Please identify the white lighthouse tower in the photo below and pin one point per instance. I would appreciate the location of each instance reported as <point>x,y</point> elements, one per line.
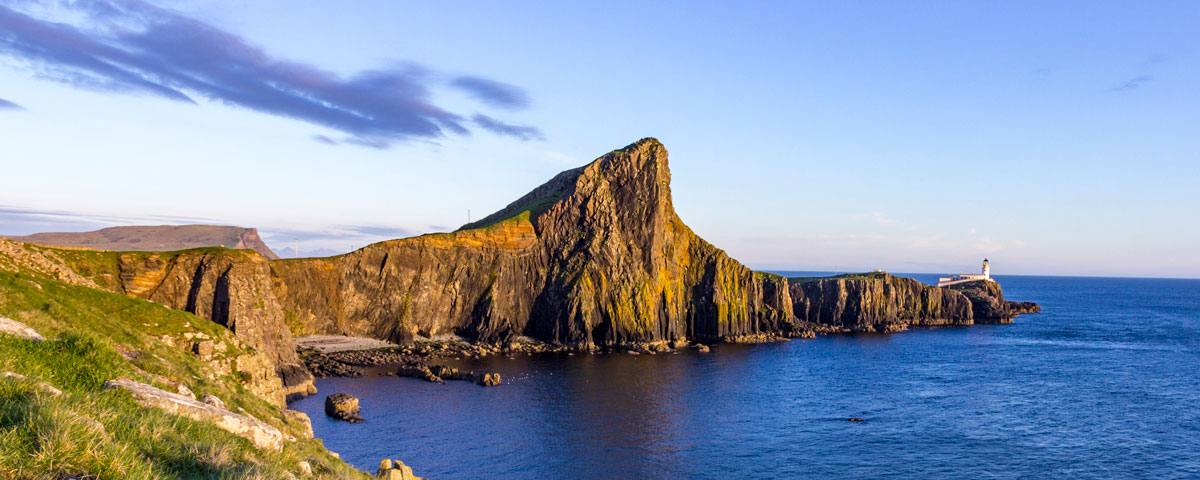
<point>968,277</point>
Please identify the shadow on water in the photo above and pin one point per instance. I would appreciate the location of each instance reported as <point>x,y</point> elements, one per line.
<point>1102,384</point>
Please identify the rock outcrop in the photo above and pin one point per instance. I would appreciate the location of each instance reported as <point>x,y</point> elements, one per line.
<point>987,301</point>
<point>879,302</point>
<point>395,470</point>
<point>12,327</point>
<point>876,302</point>
<point>260,434</point>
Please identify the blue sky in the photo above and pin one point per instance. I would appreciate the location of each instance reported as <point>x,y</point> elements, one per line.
<point>1051,137</point>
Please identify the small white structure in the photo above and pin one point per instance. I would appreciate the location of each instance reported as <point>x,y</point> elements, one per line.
<point>967,277</point>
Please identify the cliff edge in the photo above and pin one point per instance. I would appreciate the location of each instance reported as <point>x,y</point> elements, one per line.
<point>155,238</point>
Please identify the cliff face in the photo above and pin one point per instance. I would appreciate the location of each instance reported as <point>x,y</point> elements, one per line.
<point>877,302</point>
<point>160,238</point>
<point>596,256</point>
<point>231,288</point>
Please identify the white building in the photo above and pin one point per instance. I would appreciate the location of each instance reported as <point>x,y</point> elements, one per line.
<point>967,277</point>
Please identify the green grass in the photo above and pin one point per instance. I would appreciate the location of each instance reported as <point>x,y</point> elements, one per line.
<point>844,276</point>
<point>526,211</point>
<point>101,433</point>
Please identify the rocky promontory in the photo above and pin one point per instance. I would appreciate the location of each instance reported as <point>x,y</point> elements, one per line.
<point>595,258</point>
<point>881,302</point>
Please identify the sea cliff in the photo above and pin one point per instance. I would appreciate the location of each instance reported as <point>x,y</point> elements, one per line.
<point>594,258</point>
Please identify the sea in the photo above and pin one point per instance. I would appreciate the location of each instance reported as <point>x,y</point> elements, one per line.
<point>1103,383</point>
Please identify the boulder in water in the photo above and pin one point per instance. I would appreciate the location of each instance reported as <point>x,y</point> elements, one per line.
<point>342,406</point>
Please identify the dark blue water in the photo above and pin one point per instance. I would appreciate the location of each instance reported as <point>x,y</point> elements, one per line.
<point>1105,383</point>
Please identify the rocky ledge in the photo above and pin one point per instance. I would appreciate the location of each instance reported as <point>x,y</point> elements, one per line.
<point>259,433</point>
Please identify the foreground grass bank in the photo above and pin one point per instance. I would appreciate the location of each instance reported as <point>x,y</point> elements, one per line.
<point>89,431</point>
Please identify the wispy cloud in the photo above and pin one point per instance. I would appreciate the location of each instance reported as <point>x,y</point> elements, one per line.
<point>324,139</point>
<point>495,126</point>
<point>7,105</point>
<point>1132,84</point>
<point>132,46</point>
<point>491,92</point>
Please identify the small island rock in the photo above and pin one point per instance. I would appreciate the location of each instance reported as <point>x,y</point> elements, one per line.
<point>342,406</point>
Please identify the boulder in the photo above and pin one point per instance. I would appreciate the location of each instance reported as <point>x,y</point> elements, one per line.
<point>702,348</point>
<point>13,327</point>
<point>342,406</point>
<point>260,434</point>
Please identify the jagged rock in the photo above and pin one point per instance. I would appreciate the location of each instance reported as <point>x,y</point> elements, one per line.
<point>1018,308</point>
<point>450,373</point>
<point>395,470</point>
<point>300,420</point>
<point>15,328</point>
<point>43,386</point>
<point>213,400</point>
<point>419,371</point>
<point>305,468</point>
<point>260,434</point>
<point>987,301</point>
<point>342,406</point>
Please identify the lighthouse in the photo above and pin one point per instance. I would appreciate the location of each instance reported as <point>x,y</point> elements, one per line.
<point>956,279</point>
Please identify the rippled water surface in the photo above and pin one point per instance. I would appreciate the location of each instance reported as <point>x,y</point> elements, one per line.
<point>1104,383</point>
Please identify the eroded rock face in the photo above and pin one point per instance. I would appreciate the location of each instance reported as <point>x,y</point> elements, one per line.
<point>987,301</point>
<point>594,257</point>
<point>877,302</point>
<point>260,434</point>
<point>231,288</point>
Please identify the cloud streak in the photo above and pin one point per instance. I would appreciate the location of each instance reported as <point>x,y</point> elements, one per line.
<point>7,105</point>
<point>492,92</point>
<point>500,128</point>
<point>1133,83</point>
<point>132,46</point>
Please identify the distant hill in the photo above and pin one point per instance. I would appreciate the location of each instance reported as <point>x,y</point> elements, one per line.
<point>156,238</point>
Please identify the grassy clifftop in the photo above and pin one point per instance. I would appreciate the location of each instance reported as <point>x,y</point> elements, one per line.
<point>94,336</point>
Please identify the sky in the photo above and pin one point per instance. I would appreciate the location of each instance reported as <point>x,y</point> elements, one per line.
<point>1054,138</point>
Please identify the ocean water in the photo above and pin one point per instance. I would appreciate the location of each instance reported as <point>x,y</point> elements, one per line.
<point>1104,383</point>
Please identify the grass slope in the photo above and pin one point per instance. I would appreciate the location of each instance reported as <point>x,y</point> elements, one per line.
<point>92,432</point>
